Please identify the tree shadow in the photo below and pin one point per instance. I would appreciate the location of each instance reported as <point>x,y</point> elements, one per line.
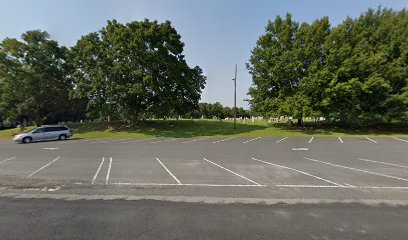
<point>169,128</point>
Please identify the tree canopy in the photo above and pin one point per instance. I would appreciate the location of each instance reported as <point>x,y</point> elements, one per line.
<point>127,70</point>
<point>354,72</point>
<point>34,79</point>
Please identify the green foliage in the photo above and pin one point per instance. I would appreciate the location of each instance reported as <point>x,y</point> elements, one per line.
<point>128,70</point>
<point>34,79</point>
<point>357,71</point>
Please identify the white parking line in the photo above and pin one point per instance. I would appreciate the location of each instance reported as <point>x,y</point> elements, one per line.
<point>195,140</point>
<point>358,170</point>
<point>109,169</point>
<point>168,171</point>
<point>41,168</point>
<point>165,140</point>
<point>348,187</point>
<point>188,184</point>
<point>9,159</point>
<point>222,140</point>
<point>140,140</point>
<point>369,139</point>
<point>281,140</point>
<point>252,140</point>
<point>109,140</point>
<point>311,139</point>
<point>232,172</point>
<point>341,140</point>
<point>305,173</point>
<point>97,171</point>
<point>385,163</point>
<point>400,139</point>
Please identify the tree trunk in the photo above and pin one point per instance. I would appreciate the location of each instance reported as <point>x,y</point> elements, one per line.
<point>299,122</point>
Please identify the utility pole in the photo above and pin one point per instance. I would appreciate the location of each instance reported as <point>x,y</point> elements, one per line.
<point>235,96</point>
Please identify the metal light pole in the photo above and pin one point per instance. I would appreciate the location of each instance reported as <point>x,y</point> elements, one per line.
<point>235,96</point>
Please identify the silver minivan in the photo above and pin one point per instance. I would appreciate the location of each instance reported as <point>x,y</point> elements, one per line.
<point>44,133</point>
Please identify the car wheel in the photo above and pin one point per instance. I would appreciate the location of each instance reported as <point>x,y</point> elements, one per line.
<point>62,137</point>
<point>27,140</point>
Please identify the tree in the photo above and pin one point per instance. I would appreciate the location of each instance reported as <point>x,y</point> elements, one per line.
<point>33,79</point>
<point>355,72</point>
<point>134,69</point>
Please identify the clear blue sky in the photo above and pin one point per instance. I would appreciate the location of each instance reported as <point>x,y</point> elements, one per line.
<point>217,33</point>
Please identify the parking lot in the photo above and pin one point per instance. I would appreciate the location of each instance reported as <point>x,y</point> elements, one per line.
<point>316,162</point>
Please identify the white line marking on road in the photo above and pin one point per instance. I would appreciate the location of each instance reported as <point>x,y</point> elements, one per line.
<point>341,140</point>
<point>165,140</point>
<point>281,140</point>
<point>168,171</point>
<point>8,159</point>
<point>252,140</point>
<point>239,175</point>
<point>356,169</point>
<point>370,139</point>
<point>348,187</point>
<point>222,140</point>
<point>400,139</point>
<point>300,149</point>
<point>385,163</point>
<point>50,148</point>
<point>299,171</point>
<point>189,184</point>
<point>195,140</point>
<point>97,171</point>
<point>311,139</point>
<point>109,140</point>
<point>140,140</point>
<point>109,169</point>
<point>41,168</point>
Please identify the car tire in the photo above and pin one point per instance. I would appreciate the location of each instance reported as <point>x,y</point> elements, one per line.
<point>27,140</point>
<point>62,137</point>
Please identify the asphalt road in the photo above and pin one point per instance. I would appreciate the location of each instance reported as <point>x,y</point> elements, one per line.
<point>119,219</point>
<point>259,188</point>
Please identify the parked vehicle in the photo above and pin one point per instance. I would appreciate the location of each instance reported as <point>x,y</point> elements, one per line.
<point>44,133</point>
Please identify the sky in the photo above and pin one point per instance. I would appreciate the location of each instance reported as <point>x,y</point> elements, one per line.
<point>217,33</point>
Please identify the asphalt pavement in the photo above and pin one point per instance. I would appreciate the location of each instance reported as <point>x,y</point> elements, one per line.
<point>227,188</point>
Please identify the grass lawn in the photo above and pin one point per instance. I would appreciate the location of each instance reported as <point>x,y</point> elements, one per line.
<point>214,128</point>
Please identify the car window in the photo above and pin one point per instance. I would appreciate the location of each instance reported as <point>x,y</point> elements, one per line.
<point>39,130</point>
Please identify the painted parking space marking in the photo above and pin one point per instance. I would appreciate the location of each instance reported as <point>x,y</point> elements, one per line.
<point>358,170</point>
<point>230,171</point>
<point>371,140</point>
<point>97,171</point>
<point>139,140</point>
<point>8,159</point>
<point>169,172</point>
<point>280,140</point>
<point>311,139</point>
<point>252,140</point>
<point>346,187</point>
<point>187,184</point>
<point>299,171</point>
<point>341,140</point>
<point>41,168</point>
<point>50,148</point>
<point>165,140</point>
<point>385,163</point>
<point>300,149</point>
<point>222,140</point>
<point>400,139</point>
<point>195,140</point>
<point>109,170</point>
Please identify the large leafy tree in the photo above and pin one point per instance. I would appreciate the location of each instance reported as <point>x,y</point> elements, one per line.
<point>34,79</point>
<point>356,72</point>
<point>280,64</point>
<point>128,70</point>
